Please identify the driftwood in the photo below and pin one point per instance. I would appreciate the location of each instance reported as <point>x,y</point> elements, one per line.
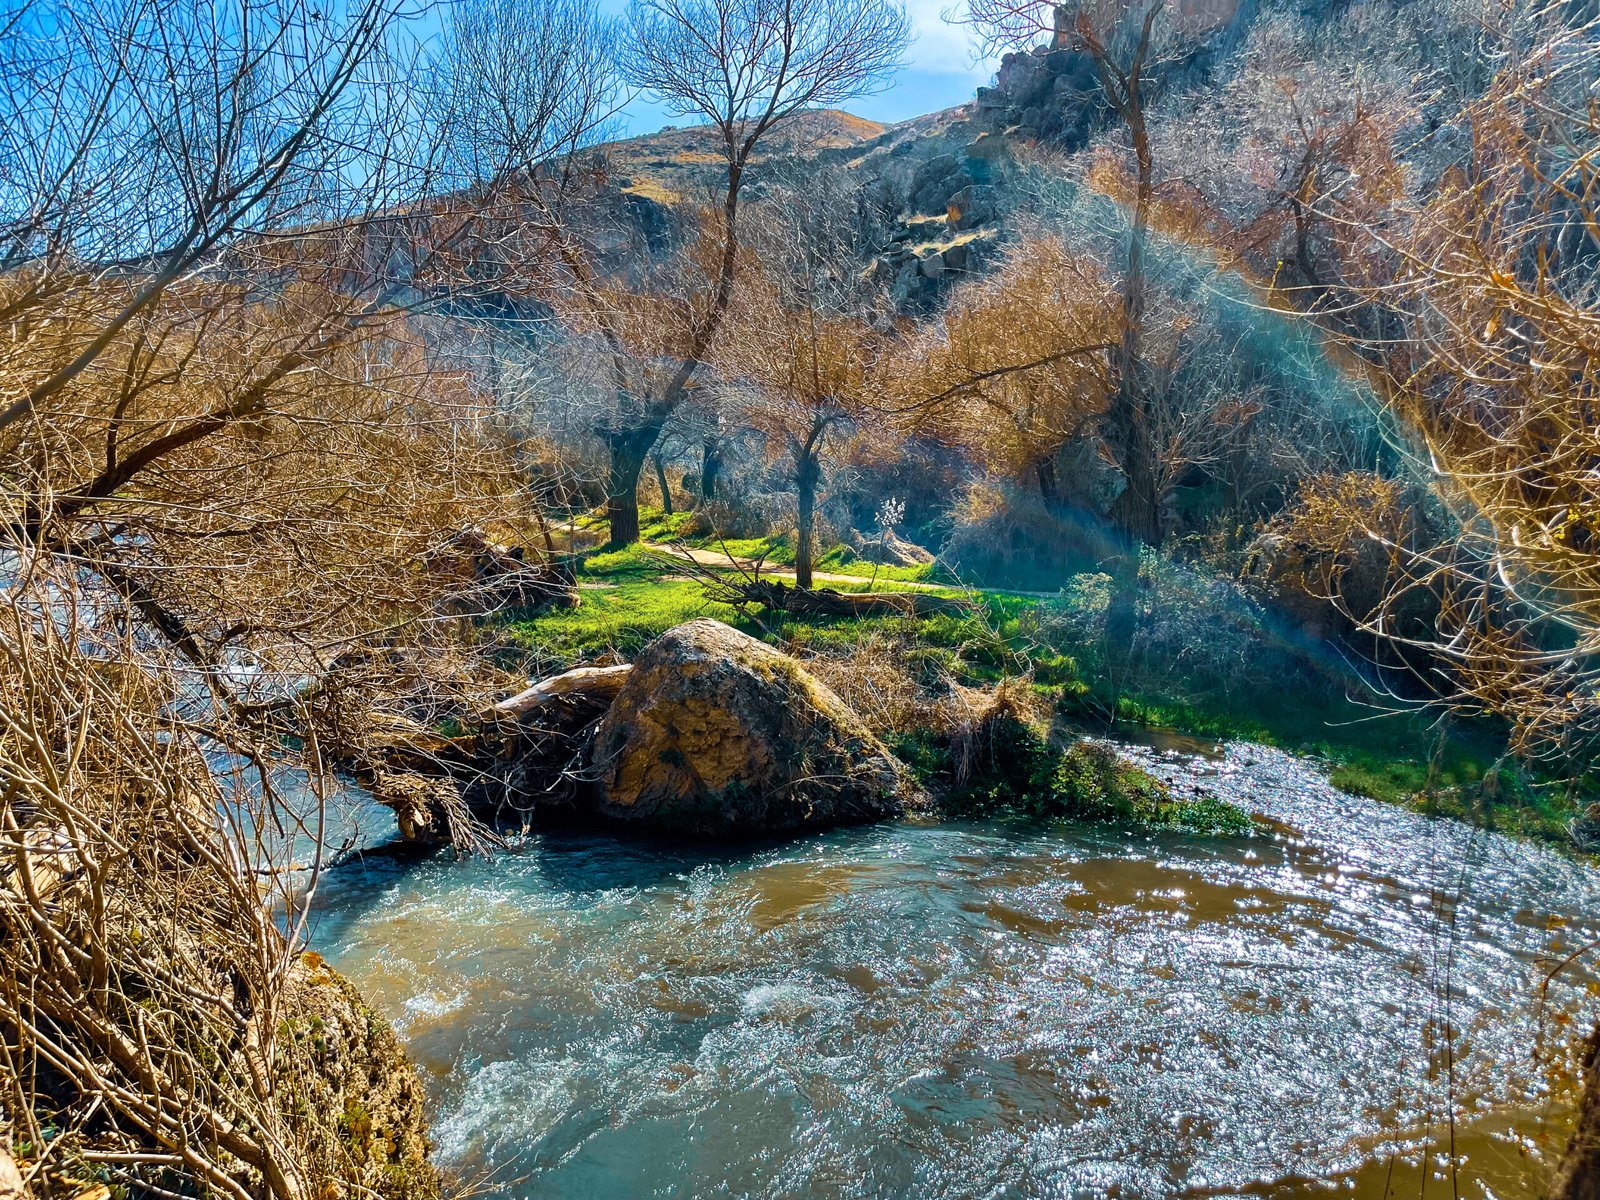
<point>777,596</point>
<point>744,587</point>
<point>442,789</point>
<point>399,741</point>
<point>589,682</point>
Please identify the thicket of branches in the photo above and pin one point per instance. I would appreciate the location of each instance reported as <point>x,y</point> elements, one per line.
<point>290,343</point>
<point>242,509</point>
<point>1491,286</point>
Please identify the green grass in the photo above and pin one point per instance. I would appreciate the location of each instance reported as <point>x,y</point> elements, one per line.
<point>613,566</point>
<point>842,560</point>
<point>1398,759</point>
<point>631,599</point>
<point>778,551</point>
<point>632,606</point>
<point>658,526</point>
<point>616,622</point>
<point>773,551</point>
<point>1025,773</point>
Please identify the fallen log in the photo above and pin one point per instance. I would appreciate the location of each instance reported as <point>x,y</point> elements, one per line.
<point>587,682</point>
<point>776,595</point>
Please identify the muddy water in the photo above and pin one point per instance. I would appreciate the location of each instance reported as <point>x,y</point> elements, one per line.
<point>924,1010</point>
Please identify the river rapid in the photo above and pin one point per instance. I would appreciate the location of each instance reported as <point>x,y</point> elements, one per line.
<point>931,1010</point>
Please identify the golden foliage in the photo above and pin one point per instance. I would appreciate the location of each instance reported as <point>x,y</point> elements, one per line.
<point>1497,373</point>
<point>221,526</point>
<point>280,473</point>
<point>1016,369</point>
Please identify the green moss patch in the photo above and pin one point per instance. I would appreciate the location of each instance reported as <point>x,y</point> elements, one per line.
<point>1019,770</point>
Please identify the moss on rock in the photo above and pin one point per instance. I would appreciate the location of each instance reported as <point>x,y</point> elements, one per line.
<point>361,1120</point>
<point>1023,771</point>
<point>715,732</point>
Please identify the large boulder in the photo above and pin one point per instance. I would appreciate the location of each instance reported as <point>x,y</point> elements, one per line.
<point>715,732</point>
<point>1024,78</point>
<point>362,1126</point>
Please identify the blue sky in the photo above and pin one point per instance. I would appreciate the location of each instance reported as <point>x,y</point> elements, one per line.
<point>942,69</point>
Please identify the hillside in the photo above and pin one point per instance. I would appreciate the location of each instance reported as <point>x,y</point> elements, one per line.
<point>1047,649</point>
<point>678,163</point>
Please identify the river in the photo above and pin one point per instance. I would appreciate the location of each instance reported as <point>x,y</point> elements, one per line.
<point>931,1010</point>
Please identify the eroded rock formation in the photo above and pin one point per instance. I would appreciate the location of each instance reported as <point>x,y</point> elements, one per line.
<point>1579,1176</point>
<point>353,1069</point>
<point>715,732</point>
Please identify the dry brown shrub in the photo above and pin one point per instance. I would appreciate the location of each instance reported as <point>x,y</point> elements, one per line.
<point>1490,353</point>
<point>1338,557</point>
<point>150,981</point>
<point>979,721</point>
<point>874,679</point>
<point>235,532</point>
<point>878,680</point>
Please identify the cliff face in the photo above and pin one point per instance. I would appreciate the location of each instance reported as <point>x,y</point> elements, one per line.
<point>940,184</point>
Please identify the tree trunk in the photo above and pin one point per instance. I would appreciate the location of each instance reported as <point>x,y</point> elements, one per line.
<point>1049,481</point>
<point>622,499</point>
<point>628,450</point>
<point>710,468</point>
<point>1127,427</point>
<point>806,477</point>
<point>661,481</point>
<point>1136,510</point>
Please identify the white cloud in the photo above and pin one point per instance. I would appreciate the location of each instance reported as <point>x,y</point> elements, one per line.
<point>943,47</point>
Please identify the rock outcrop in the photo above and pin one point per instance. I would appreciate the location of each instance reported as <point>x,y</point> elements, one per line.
<point>367,1127</point>
<point>890,549</point>
<point>715,732</point>
<point>1579,1176</point>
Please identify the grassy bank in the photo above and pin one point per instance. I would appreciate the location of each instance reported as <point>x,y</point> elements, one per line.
<point>630,596</point>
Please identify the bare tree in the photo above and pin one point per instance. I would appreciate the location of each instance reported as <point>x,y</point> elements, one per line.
<point>809,376</point>
<point>1496,378</point>
<point>520,89</point>
<point>745,67</point>
<point>1017,368</point>
<point>239,501</point>
<point>143,140</point>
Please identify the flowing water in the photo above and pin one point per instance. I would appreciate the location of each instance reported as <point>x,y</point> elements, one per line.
<point>994,1010</point>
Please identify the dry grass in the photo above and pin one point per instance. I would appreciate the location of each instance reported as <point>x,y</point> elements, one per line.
<point>650,189</point>
<point>978,720</point>
<point>874,680</point>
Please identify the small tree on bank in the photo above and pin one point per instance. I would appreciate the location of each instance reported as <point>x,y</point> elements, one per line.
<point>745,67</point>
<point>808,383</point>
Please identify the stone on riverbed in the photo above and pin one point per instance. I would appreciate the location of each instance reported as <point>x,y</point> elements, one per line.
<point>715,732</point>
